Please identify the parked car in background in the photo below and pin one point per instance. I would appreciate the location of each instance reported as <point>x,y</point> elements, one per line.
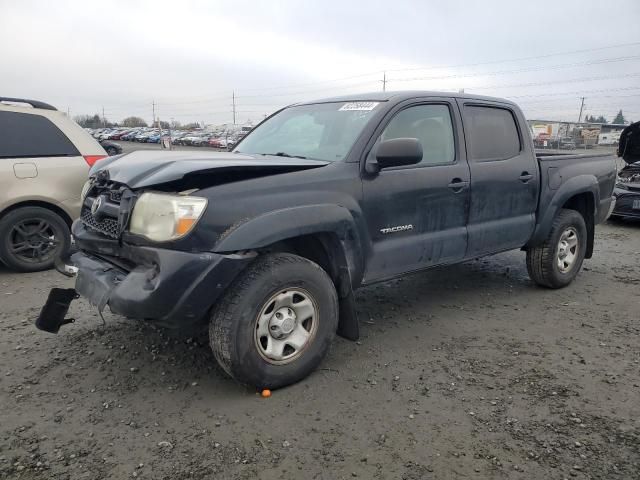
<point>144,136</point>
<point>130,136</point>
<point>189,139</point>
<point>44,161</point>
<point>201,140</point>
<point>112,148</point>
<point>217,142</point>
<point>566,143</point>
<point>627,191</point>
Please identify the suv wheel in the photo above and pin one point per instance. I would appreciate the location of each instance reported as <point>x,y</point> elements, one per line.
<point>556,262</point>
<point>276,322</point>
<point>31,238</point>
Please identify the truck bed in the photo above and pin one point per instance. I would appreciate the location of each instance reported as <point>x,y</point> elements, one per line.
<point>564,175</point>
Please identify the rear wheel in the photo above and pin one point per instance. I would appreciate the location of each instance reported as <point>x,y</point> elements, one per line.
<point>276,322</point>
<point>556,262</point>
<point>31,238</point>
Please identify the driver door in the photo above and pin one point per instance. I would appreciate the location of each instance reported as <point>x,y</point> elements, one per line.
<point>417,214</point>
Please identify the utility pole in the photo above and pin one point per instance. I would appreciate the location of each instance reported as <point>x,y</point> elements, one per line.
<point>233,100</point>
<point>153,107</point>
<point>68,112</point>
<point>104,120</point>
<point>384,81</point>
<point>581,107</point>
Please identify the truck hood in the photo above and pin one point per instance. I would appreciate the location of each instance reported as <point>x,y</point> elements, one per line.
<point>629,144</point>
<point>144,168</point>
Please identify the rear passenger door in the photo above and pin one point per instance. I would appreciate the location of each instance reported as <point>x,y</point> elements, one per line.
<point>504,178</point>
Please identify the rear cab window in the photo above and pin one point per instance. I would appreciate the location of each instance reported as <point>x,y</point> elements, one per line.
<point>491,133</point>
<point>24,135</point>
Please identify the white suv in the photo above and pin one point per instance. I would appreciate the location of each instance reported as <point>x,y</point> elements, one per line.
<point>44,160</point>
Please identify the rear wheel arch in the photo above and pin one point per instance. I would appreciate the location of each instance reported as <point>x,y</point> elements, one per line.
<point>579,193</point>
<point>557,261</point>
<point>585,204</point>
<point>42,204</point>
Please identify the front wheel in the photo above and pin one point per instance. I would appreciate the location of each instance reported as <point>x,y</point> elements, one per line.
<point>276,322</point>
<point>556,262</point>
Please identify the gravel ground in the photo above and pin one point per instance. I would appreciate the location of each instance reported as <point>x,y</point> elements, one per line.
<point>464,372</point>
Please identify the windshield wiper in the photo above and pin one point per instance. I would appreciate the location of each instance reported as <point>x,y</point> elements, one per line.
<point>285,154</point>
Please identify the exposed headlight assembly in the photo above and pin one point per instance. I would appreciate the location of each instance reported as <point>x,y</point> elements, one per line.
<point>162,217</point>
<point>85,189</point>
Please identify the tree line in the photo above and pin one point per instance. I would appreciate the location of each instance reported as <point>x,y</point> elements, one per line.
<point>618,120</point>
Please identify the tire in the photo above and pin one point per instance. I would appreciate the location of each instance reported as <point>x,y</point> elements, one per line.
<point>544,261</point>
<point>111,151</point>
<point>38,226</point>
<point>239,319</point>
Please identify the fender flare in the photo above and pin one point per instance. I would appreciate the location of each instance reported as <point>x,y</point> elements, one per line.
<point>572,187</point>
<point>287,223</point>
<point>278,225</point>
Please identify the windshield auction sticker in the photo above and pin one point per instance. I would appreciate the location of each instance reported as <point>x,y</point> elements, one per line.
<point>359,106</point>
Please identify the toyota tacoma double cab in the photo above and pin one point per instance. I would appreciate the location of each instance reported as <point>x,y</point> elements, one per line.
<point>268,242</point>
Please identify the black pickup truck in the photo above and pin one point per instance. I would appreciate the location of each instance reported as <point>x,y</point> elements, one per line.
<point>268,242</point>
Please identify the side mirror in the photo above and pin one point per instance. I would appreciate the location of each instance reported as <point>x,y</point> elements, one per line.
<point>399,151</point>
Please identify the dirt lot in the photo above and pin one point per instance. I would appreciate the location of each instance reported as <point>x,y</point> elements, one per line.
<point>465,372</point>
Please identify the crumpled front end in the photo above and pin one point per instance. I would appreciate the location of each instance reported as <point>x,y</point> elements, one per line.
<point>174,288</point>
<point>170,287</point>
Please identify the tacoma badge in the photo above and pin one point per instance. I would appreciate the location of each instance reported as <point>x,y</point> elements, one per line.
<point>399,228</point>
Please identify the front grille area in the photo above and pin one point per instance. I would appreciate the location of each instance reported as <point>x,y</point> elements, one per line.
<point>115,195</point>
<point>105,220</point>
<point>106,226</point>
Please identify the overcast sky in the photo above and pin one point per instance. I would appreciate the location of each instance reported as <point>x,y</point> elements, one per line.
<point>189,56</point>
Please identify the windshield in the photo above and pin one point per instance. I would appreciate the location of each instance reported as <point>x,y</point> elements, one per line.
<point>324,131</point>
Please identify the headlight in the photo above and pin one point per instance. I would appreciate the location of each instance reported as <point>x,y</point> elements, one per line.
<point>85,189</point>
<point>162,217</point>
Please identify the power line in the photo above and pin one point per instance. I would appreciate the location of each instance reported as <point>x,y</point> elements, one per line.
<point>520,59</point>
<point>521,70</point>
<point>554,82</point>
<point>575,92</point>
<point>378,72</point>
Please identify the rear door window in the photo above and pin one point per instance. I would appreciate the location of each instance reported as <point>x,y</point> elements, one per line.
<point>492,133</point>
<point>24,135</point>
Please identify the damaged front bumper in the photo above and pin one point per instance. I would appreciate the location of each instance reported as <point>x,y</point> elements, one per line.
<point>172,288</point>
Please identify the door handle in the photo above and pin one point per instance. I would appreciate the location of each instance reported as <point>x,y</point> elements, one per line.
<point>525,177</point>
<point>457,185</point>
